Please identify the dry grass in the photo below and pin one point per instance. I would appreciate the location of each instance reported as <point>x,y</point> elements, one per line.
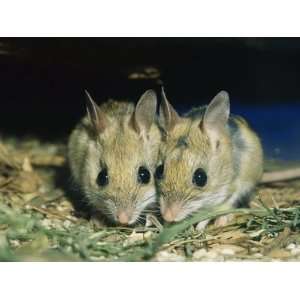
<point>39,222</point>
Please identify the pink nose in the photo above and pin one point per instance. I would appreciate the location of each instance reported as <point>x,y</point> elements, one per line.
<point>171,212</point>
<point>123,218</point>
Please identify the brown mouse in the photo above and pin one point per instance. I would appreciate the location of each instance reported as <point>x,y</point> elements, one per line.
<point>112,155</point>
<point>208,158</point>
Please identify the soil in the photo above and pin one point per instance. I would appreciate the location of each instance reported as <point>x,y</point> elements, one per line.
<point>41,219</point>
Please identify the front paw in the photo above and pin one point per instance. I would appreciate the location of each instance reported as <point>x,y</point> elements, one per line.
<point>223,220</point>
<point>97,222</point>
<point>151,220</point>
<point>201,225</point>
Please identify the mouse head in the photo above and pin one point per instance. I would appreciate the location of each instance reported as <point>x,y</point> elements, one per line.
<point>121,157</point>
<point>195,165</point>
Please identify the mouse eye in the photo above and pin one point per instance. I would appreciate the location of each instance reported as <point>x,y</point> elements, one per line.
<point>102,178</point>
<point>159,172</point>
<point>199,177</point>
<point>143,175</point>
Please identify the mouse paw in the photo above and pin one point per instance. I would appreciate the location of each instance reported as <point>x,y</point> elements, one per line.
<point>97,223</point>
<point>223,220</point>
<point>151,220</point>
<point>201,225</point>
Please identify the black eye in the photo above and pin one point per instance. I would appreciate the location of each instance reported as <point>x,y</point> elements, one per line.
<point>102,178</point>
<point>199,177</point>
<point>159,172</point>
<point>143,175</point>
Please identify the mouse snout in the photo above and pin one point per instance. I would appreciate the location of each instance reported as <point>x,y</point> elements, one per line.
<point>123,217</point>
<point>171,212</point>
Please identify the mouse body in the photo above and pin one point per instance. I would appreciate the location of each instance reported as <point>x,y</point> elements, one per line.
<point>112,155</point>
<point>207,158</point>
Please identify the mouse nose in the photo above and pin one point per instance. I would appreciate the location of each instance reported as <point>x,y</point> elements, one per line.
<point>123,218</point>
<point>171,213</point>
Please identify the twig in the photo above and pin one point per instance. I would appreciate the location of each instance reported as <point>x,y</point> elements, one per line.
<point>283,175</point>
<point>48,160</point>
<point>50,214</point>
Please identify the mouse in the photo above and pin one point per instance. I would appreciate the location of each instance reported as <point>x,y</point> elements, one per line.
<point>208,157</point>
<point>112,155</point>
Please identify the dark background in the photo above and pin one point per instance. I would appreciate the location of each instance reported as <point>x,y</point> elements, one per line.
<point>42,81</point>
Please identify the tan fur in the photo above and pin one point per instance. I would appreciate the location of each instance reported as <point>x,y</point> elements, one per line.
<point>233,166</point>
<point>122,150</point>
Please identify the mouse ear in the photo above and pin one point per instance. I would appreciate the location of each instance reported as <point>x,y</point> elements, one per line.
<point>95,115</point>
<point>145,112</point>
<point>217,112</point>
<point>168,117</point>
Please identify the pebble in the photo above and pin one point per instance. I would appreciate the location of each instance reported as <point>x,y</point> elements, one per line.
<point>67,223</point>
<point>291,246</point>
<point>211,255</point>
<point>218,253</point>
<point>294,248</point>
<point>148,235</point>
<point>15,243</point>
<point>46,222</point>
<point>227,252</point>
<point>257,255</point>
<point>68,249</point>
<point>214,256</point>
<point>295,251</point>
<point>167,256</point>
<point>200,254</point>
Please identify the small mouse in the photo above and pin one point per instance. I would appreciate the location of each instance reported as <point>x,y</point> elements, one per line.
<point>112,155</point>
<point>207,158</point>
